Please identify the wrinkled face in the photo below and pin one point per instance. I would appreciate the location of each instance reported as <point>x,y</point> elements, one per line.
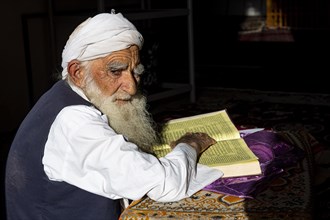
<point>111,84</point>
<point>118,74</point>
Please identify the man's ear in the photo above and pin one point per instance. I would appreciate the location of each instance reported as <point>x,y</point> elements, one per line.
<point>75,72</point>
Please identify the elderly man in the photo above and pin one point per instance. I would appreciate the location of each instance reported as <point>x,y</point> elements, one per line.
<point>85,146</point>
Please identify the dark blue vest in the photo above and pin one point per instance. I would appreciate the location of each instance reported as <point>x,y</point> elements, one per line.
<point>29,192</point>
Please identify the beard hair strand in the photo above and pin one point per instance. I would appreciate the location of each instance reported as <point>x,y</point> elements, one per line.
<point>130,119</point>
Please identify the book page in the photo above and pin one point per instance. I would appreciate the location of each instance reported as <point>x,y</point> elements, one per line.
<point>230,154</point>
<point>227,152</point>
<point>162,150</point>
<point>216,124</point>
<point>221,153</point>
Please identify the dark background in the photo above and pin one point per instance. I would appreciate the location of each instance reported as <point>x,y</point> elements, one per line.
<point>293,58</point>
<point>234,47</point>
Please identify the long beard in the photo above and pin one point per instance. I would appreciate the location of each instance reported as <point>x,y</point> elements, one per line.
<point>130,119</point>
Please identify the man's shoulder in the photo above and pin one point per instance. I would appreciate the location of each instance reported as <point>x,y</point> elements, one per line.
<point>79,111</point>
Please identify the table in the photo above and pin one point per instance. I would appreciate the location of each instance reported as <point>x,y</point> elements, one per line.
<point>287,197</point>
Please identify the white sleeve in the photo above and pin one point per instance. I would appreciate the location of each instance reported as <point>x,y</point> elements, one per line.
<point>84,151</point>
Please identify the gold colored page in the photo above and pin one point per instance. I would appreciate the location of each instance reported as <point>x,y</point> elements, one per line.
<point>227,152</point>
<point>222,153</point>
<point>216,124</point>
<point>219,126</point>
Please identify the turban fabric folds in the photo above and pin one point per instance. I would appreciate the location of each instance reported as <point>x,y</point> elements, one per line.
<point>98,36</point>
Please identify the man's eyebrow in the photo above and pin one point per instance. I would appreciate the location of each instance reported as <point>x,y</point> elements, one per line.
<point>117,65</point>
<point>139,69</point>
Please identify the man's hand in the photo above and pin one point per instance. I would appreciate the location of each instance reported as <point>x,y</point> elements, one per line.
<point>198,140</point>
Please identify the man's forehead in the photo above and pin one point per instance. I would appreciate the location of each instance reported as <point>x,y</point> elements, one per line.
<point>132,51</point>
<point>124,56</point>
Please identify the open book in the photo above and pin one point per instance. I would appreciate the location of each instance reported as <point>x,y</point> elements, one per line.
<point>230,154</point>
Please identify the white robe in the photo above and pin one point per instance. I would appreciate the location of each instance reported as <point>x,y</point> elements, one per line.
<point>83,150</point>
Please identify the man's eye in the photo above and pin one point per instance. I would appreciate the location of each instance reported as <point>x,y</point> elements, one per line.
<point>115,72</point>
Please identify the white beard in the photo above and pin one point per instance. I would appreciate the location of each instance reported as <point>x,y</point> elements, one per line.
<point>130,119</point>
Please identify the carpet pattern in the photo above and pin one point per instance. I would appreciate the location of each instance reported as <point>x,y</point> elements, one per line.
<point>286,197</point>
<point>280,111</point>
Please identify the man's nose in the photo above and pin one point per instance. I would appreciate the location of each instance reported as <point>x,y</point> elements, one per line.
<point>129,83</point>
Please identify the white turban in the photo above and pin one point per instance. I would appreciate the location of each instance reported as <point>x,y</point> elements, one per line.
<point>99,36</point>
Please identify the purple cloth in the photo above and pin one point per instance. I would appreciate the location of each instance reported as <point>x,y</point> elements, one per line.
<point>274,155</point>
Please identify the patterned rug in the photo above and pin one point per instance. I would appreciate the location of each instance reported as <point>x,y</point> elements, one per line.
<point>280,111</point>
<point>271,204</point>
<point>286,197</point>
